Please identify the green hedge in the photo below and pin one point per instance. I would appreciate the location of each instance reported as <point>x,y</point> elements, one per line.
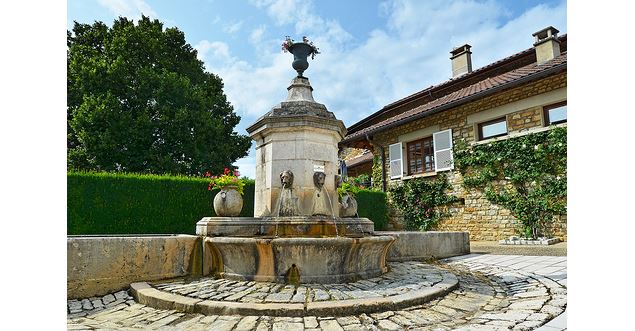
<point>372,205</point>
<point>104,203</point>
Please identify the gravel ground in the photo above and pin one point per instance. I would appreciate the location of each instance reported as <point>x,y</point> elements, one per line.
<point>493,247</point>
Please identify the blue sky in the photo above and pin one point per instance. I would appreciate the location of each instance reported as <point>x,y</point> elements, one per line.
<point>373,52</point>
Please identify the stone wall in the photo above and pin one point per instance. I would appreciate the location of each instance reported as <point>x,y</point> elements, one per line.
<point>415,245</point>
<point>101,265</point>
<point>365,168</point>
<point>523,110</point>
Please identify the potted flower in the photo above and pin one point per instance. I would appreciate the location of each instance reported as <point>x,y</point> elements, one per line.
<point>229,201</point>
<point>348,205</point>
<point>300,51</point>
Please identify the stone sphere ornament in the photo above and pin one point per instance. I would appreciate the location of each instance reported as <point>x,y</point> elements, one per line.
<point>228,202</point>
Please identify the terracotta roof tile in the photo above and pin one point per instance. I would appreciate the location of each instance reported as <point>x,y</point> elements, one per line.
<point>366,157</point>
<point>481,86</point>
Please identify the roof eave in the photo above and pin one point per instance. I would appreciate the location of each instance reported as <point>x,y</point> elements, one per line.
<point>455,103</point>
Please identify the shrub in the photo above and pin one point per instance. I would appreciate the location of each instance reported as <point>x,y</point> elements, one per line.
<point>105,203</point>
<point>372,205</point>
<point>419,200</point>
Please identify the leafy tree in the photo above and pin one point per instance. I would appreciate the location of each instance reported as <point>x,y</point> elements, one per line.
<point>140,101</point>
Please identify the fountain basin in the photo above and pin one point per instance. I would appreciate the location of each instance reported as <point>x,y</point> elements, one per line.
<point>315,260</point>
<point>293,226</point>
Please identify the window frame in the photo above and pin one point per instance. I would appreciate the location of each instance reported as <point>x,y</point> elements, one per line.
<point>547,108</point>
<point>490,122</point>
<point>423,155</point>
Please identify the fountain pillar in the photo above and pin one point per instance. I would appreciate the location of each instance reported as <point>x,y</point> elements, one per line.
<point>299,135</point>
<point>296,229</point>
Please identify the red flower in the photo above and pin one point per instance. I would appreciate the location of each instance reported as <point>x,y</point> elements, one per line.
<point>236,173</point>
<point>226,171</point>
<point>207,174</point>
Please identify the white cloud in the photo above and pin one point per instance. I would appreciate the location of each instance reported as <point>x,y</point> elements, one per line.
<point>233,27</point>
<point>356,79</point>
<point>132,9</point>
<point>256,35</point>
<point>216,51</point>
<point>283,11</point>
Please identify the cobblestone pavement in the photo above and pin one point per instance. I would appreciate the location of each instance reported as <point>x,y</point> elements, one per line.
<point>496,292</point>
<point>493,247</point>
<point>403,277</point>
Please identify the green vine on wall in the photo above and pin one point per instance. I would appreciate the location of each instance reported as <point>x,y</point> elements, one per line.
<point>376,174</point>
<point>419,200</point>
<point>526,174</point>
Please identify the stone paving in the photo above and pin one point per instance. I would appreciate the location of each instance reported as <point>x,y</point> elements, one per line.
<point>495,292</point>
<point>403,277</point>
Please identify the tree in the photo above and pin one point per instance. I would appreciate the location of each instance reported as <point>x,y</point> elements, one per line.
<point>140,101</point>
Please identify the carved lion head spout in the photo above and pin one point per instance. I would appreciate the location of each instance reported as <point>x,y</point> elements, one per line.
<point>286,178</point>
<point>318,179</point>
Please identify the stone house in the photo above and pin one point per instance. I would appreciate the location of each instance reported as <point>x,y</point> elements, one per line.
<point>361,164</point>
<point>521,94</point>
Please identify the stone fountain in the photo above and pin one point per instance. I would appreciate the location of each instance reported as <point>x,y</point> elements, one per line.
<point>296,234</point>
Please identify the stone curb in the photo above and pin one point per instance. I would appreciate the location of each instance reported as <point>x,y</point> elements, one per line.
<point>149,296</point>
<point>372,305</point>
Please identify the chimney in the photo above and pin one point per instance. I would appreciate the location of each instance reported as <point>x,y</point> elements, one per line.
<point>546,44</point>
<point>461,60</point>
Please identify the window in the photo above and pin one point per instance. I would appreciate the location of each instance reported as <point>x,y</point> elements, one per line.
<point>394,151</point>
<point>491,129</point>
<point>420,155</point>
<point>426,155</point>
<point>556,113</point>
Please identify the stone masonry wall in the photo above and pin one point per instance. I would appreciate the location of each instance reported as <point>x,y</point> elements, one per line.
<point>484,220</point>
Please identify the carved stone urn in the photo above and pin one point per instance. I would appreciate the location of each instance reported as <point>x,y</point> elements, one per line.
<point>348,206</point>
<point>301,52</point>
<point>228,202</point>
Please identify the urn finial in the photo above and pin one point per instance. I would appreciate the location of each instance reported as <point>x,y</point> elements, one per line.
<point>300,51</point>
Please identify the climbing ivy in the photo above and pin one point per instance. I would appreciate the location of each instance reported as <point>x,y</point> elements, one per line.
<point>526,174</point>
<point>376,174</point>
<point>419,200</point>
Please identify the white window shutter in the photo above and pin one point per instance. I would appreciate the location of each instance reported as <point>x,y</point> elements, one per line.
<point>443,158</point>
<point>394,152</point>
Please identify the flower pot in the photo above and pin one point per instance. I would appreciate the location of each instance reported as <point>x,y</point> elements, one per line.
<point>301,52</point>
<point>228,202</point>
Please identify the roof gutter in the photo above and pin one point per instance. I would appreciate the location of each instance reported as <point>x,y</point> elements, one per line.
<point>467,99</point>
<point>383,163</point>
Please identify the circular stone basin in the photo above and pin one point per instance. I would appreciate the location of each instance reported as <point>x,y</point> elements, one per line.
<point>293,226</point>
<point>297,260</point>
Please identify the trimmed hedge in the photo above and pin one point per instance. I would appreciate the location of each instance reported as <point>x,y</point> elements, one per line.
<point>105,203</point>
<point>372,205</point>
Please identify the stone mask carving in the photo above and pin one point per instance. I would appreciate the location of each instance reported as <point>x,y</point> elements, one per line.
<point>318,179</point>
<point>286,178</point>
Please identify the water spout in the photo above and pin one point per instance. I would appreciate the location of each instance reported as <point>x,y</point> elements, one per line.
<point>332,213</point>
